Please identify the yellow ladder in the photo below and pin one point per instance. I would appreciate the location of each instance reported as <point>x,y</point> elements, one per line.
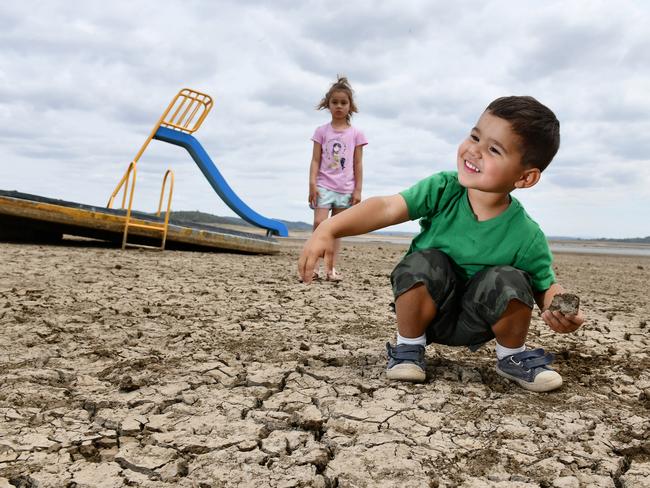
<point>161,227</point>
<point>186,112</point>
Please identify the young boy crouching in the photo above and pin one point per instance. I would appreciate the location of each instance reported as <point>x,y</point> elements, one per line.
<point>480,262</point>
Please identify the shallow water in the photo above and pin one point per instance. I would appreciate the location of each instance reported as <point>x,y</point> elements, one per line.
<point>556,246</point>
<point>602,249</point>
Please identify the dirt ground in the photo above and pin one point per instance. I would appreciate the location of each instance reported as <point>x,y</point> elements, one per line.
<point>191,369</point>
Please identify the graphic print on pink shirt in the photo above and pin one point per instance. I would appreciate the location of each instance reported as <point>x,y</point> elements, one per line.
<point>337,151</point>
<point>336,168</point>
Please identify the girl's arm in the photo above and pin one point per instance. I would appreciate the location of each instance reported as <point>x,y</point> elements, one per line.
<point>313,173</point>
<point>371,214</point>
<point>358,174</point>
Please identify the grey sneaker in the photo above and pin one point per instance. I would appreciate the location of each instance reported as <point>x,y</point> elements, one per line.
<point>529,369</point>
<point>405,363</point>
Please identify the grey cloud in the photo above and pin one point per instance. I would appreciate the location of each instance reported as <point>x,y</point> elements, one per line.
<point>554,45</point>
<point>623,178</point>
<point>636,57</point>
<point>287,93</point>
<point>574,179</point>
<point>48,152</point>
<point>602,142</point>
<point>373,26</point>
<point>82,83</point>
<point>615,110</point>
<point>326,62</point>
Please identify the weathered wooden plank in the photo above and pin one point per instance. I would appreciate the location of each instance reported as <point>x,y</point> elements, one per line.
<point>109,223</point>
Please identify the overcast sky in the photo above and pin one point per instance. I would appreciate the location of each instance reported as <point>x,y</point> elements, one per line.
<point>83,82</point>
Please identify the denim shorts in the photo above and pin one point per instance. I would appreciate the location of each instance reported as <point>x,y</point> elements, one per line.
<point>332,199</point>
<point>467,309</point>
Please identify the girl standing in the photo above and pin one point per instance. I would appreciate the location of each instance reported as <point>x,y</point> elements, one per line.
<point>336,173</point>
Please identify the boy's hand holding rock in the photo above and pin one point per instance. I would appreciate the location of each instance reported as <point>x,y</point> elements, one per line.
<point>563,315</point>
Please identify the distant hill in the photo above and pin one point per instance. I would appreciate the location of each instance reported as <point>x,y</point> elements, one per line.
<point>206,218</point>
<point>631,240</point>
<point>628,240</point>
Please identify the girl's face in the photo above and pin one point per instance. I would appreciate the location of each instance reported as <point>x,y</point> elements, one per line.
<point>339,105</point>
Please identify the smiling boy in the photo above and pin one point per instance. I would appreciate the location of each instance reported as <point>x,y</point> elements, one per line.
<point>479,263</point>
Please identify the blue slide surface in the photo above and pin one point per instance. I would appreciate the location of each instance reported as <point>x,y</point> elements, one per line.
<point>210,171</point>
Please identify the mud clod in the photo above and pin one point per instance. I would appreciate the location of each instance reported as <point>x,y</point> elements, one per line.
<point>565,303</point>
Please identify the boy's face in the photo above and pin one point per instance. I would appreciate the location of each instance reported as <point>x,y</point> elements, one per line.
<point>490,158</point>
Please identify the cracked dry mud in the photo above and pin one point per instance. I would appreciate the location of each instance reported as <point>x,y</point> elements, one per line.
<point>153,369</point>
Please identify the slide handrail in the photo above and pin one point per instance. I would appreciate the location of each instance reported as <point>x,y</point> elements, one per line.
<point>168,173</point>
<point>181,119</point>
<point>124,182</point>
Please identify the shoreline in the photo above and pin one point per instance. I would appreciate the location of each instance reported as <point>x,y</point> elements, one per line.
<point>560,246</point>
<point>557,247</point>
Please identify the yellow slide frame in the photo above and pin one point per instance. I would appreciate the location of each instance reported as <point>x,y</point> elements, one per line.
<point>186,112</point>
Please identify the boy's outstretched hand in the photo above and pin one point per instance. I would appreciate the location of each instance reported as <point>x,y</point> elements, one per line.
<point>319,245</point>
<point>371,214</point>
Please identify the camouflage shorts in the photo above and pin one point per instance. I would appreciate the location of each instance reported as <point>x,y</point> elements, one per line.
<point>467,309</point>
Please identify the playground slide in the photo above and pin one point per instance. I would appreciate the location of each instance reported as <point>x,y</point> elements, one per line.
<point>210,171</point>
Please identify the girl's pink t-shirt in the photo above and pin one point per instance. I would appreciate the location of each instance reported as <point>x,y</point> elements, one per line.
<point>337,161</point>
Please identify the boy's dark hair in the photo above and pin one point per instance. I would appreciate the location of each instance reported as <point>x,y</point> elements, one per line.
<point>341,84</point>
<point>535,124</point>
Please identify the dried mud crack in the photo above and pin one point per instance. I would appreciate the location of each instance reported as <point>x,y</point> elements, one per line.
<point>214,370</point>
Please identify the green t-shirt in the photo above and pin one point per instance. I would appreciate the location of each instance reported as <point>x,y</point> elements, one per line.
<point>448,224</point>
